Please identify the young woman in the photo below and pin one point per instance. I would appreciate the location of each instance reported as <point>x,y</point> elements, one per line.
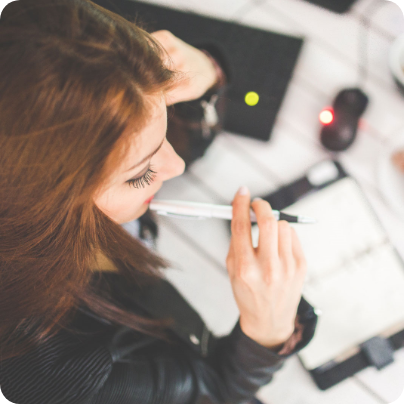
<point>85,313</point>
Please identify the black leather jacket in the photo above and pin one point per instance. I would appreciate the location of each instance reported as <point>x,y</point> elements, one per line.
<point>102,363</point>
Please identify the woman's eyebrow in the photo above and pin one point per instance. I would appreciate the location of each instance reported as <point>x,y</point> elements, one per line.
<point>147,157</point>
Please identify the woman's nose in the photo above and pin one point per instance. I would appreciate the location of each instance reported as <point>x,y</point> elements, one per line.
<point>172,165</point>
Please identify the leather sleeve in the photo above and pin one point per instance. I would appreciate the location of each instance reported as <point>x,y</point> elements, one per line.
<point>232,373</point>
<point>165,374</point>
<point>77,370</point>
<point>105,364</point>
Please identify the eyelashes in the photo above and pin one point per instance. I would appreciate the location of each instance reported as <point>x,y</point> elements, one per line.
<point>144,180</point>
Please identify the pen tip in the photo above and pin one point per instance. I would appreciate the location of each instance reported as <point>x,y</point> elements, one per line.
<point>307,220</point>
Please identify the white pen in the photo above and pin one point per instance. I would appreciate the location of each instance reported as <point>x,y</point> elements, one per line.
<point>196,210</point>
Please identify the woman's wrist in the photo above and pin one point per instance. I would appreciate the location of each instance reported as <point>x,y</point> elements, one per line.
<point>273,342</point>
<point>220,79</point>
<point>297,336</point>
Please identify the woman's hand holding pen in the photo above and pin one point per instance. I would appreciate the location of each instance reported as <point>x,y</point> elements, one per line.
<point>267,281</point>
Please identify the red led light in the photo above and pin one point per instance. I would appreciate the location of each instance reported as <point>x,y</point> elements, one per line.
<point>326,116</point>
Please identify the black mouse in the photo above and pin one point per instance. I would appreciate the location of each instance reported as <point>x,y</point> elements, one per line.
<point>348,106</point>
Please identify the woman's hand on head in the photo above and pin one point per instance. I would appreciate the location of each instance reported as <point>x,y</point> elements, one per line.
<point>267,281</point>
<point>199,74</point>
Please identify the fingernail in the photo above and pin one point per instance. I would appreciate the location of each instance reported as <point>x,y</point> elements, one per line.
<point>243,191</point>
<point>257,199</point>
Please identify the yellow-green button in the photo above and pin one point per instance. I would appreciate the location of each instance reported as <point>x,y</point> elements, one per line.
<point>251,98</point>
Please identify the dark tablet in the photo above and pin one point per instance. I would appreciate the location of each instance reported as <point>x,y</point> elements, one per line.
<point>258,61</point>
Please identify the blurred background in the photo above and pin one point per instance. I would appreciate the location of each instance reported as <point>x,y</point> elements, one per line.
<point>327,46</point>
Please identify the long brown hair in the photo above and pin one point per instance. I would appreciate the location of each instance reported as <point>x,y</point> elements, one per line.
<point>73,84</point>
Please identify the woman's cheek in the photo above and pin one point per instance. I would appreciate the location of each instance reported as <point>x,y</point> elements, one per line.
<point>122,205</point>
<point>130,205</point>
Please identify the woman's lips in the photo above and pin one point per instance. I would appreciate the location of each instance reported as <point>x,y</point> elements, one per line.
<point>149,200</point>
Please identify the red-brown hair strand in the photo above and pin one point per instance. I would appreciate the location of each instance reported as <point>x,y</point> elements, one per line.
<point>74,81</point>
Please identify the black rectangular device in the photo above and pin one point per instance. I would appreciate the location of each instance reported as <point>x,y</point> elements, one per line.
<point>338,6</point>
<point>258,61</point>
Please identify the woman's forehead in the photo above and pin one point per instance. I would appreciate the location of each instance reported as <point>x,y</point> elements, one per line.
<point>149,138</point>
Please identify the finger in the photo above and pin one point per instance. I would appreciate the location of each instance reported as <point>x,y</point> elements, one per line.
<point>298,252</point>
<point>285,245</point>
<point>230,259</point>
<point>268,229</point>
<point>241,224</point>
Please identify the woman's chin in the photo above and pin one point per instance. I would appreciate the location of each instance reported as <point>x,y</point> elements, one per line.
<point>140,212</point>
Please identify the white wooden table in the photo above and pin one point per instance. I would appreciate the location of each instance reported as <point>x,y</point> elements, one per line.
<point>328,62</point>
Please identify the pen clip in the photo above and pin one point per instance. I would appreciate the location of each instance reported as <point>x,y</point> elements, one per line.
<point>178,216</point>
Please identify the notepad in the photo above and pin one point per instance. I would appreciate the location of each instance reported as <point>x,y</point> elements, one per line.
<point>355,277</point>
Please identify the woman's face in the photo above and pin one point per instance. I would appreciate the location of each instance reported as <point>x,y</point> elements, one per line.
<point>150,161</point>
